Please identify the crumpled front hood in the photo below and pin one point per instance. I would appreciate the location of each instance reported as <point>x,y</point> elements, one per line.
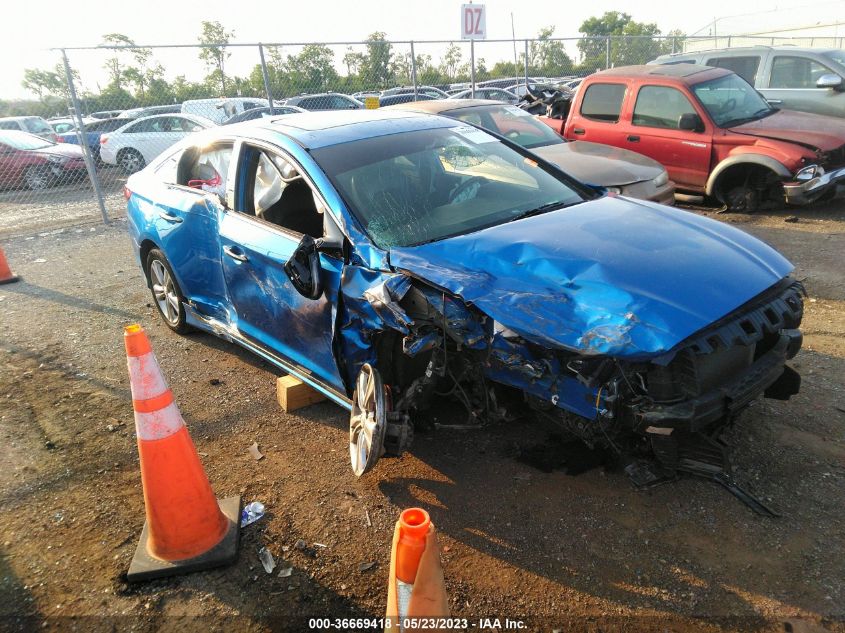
<point>822,132</point>
<point>598,164</point>
<point>610,276</point>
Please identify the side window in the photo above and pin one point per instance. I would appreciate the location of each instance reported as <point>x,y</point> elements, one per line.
<point>9,125</point>
<point>660,106</point>
<point>318,103</point>
<point>603,102</point>
<point>795,72</point>
<point>339,103</point>
<point>275,192</point>
<point>168,170</point>
<point>140,127</point>
<point>745,67</point>
<point>186,125</point>
<point>205,168</point>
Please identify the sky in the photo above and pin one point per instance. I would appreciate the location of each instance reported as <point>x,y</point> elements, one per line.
<point>26,41</point>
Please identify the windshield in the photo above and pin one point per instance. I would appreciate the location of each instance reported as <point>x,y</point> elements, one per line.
<point>511,122</point>
<point>22,140</point>
<point>837,56</point>
<point>416,187</point>
<point>730,100</point>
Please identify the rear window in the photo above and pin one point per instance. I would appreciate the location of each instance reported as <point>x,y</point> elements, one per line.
<point>745,67</point>
<point>603,102</point>
<point>37,125</point>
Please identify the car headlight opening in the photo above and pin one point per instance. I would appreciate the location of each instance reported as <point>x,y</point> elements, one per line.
<point>662,179</point>
<point>809,172</point>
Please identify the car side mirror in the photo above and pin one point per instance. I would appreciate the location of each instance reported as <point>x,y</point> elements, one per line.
<point>829,80</point>
<point>303,268</point>
<point>690,122</point>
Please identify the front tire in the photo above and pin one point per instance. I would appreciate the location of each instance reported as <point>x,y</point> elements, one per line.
<point>37,178</point>
<point>166,292</point>
<point>130,161</point>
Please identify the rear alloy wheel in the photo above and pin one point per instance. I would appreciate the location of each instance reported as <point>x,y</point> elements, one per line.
<point>367,420</point>
<point>37,178</point>
<point>130,161</point>
<point>166,292</point>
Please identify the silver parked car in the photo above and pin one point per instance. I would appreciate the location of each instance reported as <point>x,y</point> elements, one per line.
<point>789,77</point>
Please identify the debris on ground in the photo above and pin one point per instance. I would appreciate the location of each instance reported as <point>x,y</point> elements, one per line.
<point>300,544</point>
<point>791,219</point>
<point>253,450</point>
<point>366,566</point>
<point>266,559</point>
<point>286,569</point>
<point>251,513</point>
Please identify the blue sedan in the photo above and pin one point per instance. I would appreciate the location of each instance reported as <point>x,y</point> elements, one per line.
<point>389,258</point>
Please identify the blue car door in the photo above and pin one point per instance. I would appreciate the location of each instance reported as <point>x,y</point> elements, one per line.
<point>273,207</point>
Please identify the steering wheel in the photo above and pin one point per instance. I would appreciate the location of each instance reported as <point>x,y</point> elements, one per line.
<point>464,186</point>
<point>727,106</point>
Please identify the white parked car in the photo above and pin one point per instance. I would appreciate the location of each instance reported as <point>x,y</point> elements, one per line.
<point>222,108</point>
<point>138,142</point>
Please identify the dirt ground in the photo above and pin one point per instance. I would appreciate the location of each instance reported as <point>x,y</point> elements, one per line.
<point>561,552</point>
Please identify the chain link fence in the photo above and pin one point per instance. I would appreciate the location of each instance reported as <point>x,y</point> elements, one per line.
<point>105,112</point>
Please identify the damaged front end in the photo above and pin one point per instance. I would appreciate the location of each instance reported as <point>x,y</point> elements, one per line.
<point>668,409</point>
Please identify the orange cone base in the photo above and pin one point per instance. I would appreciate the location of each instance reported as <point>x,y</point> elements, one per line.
<point>146,567</point>
<point>9,280</point>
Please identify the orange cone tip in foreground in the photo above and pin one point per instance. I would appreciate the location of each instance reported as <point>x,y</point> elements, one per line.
<point>413,529</point>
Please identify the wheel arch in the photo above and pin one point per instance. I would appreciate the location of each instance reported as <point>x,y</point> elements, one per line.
<point>144,251</point>
<point>740,161</point>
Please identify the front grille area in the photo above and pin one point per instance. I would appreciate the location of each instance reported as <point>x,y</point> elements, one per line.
<point>715,356</point>
<point>753,323</point>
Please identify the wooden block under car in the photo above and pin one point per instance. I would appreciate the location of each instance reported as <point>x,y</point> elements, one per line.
<point>294,394</point>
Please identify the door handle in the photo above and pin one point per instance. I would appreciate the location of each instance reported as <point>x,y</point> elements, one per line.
<point>633,138</point>
<point>775,101</point>
<point>577,130</point>
<point>169,217</point>
<point>231,252</point>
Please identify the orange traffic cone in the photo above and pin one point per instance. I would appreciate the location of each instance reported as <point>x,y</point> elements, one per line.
<point>6,274</point>
<point>186,529</point>
<point>416,589</point>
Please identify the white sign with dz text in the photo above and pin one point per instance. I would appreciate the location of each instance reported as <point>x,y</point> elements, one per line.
<point>473,22</point>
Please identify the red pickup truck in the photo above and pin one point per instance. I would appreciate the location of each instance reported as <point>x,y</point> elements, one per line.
<point>713,132</point>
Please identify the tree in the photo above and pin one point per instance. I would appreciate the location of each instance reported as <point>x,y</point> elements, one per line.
<point>313,69</point>
<point>376,66</point>
<point>547,57</point>
<point>630,42</point>
<point>353,61</point>
<point>215,39</point>
<point>451,62</point>
<point>43,82</point>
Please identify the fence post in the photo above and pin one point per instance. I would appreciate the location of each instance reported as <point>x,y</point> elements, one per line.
<point>414,71</point>
<point>266,75</point>
<point>526,63</point>
<point>607,52</point>
<point>729,40</point>
<point>472,68</point>
<point>83,140</point>
<point>674,43</point>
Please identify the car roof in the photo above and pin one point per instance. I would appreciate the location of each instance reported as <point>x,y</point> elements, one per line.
<point>436,106</point>
<point>325,128</point>
<point>750,49</point>
<point>678,71</point>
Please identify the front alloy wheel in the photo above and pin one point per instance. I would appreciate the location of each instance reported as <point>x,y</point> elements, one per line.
<point>367,421</point>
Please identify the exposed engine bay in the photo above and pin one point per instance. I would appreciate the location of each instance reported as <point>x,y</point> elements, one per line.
<point>660,417</point>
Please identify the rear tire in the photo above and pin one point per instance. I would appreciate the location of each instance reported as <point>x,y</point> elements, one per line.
<point>167,294</point>
<point>130,161</point>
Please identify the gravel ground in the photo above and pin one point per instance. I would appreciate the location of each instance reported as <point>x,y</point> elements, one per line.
<point>571,553</point>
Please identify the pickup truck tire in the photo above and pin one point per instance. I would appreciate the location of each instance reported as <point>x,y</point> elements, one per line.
<point>745,187</point>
